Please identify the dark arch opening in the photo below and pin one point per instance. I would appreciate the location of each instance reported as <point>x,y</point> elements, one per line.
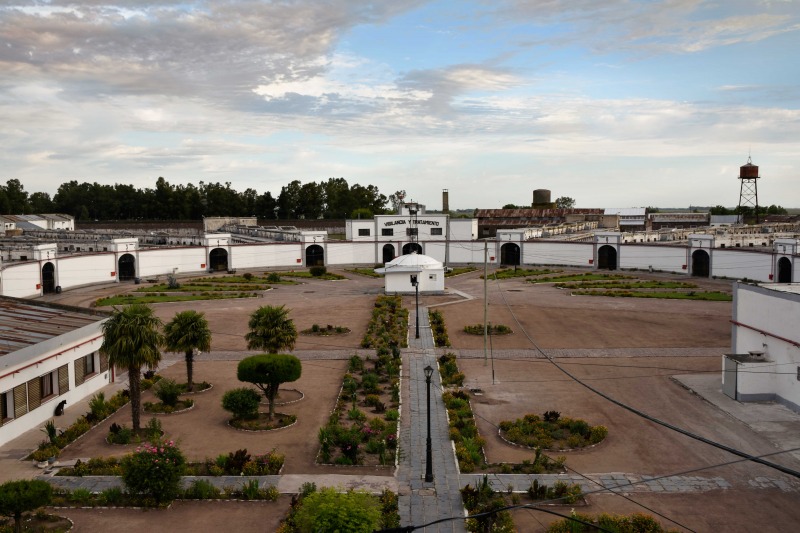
<point>48,278</point>
<point>412,247</point>
<point>700,264</point>
<point>388,253</point>
<point>218,259</point>
<point>127,267</point>
<point>509,254</point>
<point>315,255</point>
<point>607,258</point>
<point>784,270</point>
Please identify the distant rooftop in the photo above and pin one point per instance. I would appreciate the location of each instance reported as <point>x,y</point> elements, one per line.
<point>24,323</point>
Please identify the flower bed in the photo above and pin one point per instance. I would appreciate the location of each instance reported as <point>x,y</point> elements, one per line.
<point>362,429</point>
<point>160,408</point>
<point>439,330</point>
<point>325,331</point>
<point>492,329</point>
<point>263,423</point>
<point>552,431</point>
<point>388,328</point>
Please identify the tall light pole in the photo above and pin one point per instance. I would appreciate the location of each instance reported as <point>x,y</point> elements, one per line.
<point>428,452</point>
<point>415,283</point>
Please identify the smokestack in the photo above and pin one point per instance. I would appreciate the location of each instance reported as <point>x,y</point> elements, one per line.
<point>445,201</point>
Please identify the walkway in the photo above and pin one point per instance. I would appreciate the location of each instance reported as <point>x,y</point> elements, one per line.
<point>421,502</point>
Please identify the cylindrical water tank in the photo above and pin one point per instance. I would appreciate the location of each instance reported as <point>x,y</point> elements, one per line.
<point>541,196</point>
<point>748,171</point>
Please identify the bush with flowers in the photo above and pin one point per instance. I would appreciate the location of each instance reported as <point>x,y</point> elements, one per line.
<point>154,471</point>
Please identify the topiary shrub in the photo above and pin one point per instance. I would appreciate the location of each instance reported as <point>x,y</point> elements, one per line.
<point>242,402</point>
<point>318,271</point>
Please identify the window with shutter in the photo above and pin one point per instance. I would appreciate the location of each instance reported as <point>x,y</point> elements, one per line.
<point>80,371</point>
<point>20,400</point>
<point>63,379</point>
<point>103,362</point>
<point>34,393</point>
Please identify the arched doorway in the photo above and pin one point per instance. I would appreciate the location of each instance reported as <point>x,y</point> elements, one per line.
<point>607,257</point>
<point>218,259</point>
<point>126,268</point>
<point>700,264</point>
<point>509,254</point>
<point>784,270</point>
<point>412,247</point>
<point>388,253</point>
<point>48,278</point>
<point>315,255</point>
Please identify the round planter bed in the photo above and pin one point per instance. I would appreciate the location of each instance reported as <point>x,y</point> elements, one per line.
<point>262,423</point>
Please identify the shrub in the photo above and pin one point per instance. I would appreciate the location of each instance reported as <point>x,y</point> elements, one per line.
<point>119,434</point>
<point>242,402</point>
<point>551,416</point>
<point>328,510</point>
<point>598,433</point>
<point>98,406</point>
<point>273,277</point>
<point>370,383</point>
<point>356,364</point>
<point>200,489</point>
<point>111,496</point>
<point>318,271</point>
<point>167,391</point>
<point>392,415</point>
<point>154,471</point>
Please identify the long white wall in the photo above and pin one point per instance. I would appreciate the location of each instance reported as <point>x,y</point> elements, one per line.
<point>22,279</point>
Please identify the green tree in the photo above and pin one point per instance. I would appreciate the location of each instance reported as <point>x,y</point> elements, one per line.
<point>268,372</point>
<point>565,202</point>
<point>16,497</point>
<point>154,470</point>
<point>17,197</point>
<point>186,332</point>
<point>40,202</point>
<point>131,338</point>
<point>720,210</point>
<point>329,510</point>
<point>271,329</point>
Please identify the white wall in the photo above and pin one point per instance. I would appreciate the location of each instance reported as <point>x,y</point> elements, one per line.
<point>430,280</point>
<point>78,270</point>
<point>775,313</point>
<point>21,280</point>
<point>739,264</point>
<point>161,261</point>
<point>345,253</point>
<point>668,258</point>
<point>277,255</point>
<point>557,253</point>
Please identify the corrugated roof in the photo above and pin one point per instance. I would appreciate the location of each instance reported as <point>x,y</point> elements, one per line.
<point>626,211</point>
<point>24,323</point>
<point>534,213</point>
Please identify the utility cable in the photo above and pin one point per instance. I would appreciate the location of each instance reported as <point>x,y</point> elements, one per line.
<point>734,451</point>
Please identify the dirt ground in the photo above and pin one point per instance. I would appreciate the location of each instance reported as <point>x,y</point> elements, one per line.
<point>555,320</point>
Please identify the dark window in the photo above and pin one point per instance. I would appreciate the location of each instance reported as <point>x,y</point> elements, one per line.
<point>412,231</point>
<point>363,232</point>
<point>436,231</point>
<point>90,369</point>
<point>387,232</point>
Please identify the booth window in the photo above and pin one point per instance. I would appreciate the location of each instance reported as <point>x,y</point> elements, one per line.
<point>436,231</point>
<point>387,232</point>
<point>363,232</point>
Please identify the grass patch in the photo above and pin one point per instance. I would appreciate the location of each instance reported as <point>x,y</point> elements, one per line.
<point>627,285</point>
<point>163,298</point>
<point>206,286</point>
<point>459,270</point>
<point>507,273</point>
<point>305,274</point>
<point>364,272</point>
<point>710,296</point>
<point>580,277</point>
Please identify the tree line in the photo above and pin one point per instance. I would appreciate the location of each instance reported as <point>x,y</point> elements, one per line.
<point>334,198</point>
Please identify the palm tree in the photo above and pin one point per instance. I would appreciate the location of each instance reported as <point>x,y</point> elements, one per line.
<point>186,332</point>
<point>271,329</point>
<point>131,338</point>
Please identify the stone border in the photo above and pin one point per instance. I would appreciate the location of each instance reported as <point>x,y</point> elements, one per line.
<point>265,430</point>
<point>500,434</point>
<point>211,386</point>
<point>280,404</point>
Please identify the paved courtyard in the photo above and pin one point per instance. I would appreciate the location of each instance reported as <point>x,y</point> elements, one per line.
<point>618,346</point>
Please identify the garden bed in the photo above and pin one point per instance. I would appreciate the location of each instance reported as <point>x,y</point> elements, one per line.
<point>551,432</point>
<point>160,408</point>
<point>362,428</point>
<point>263,423</point>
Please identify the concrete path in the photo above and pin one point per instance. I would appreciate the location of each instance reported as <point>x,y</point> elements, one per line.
<point>421,502</point>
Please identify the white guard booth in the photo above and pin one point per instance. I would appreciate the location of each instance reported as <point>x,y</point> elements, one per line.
<point>398,274</point>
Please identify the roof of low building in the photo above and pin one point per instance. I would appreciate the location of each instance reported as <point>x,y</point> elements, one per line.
<point>412,262</point>
<point>24,323</point>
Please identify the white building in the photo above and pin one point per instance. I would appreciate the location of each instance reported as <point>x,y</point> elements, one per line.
<point>765,363</point>
<point>48,354</point>
<point>401,273</point>
<point>413,230</point>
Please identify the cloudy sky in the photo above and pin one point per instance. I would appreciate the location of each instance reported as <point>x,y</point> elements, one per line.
<point>616,103</point>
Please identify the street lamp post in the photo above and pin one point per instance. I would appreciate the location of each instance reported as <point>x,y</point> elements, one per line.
<point>415,283</point>
<point>428,452</point>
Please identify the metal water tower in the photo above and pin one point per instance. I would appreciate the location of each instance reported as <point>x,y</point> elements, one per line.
<point>748,190</point>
